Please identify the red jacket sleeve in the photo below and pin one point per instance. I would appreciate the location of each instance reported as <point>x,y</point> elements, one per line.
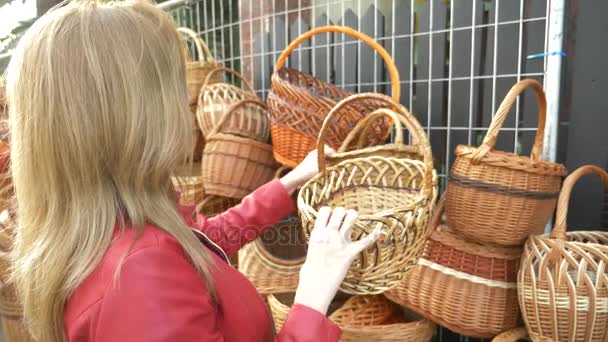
<point>160,297</point>
<point>245,222</point>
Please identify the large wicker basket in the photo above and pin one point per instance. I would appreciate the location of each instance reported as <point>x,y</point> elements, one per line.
<point>365,318</point>
<point>393,191</point>
<point>464,286</point>
<point>215,99</point>
<point>499,197</point>
<point>188,182</point>
<point>234,166</point>
<point>272,262</point>
<point>299,103</point>
<point>197,70</point>
<point>563,279</point>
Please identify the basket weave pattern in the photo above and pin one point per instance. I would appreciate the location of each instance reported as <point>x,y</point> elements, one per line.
<point>234,166</point>
<point>563,279</point>
<point>464,286</point>
<point>394,192</point>
<point>499,197</point>
<point>188,181</point>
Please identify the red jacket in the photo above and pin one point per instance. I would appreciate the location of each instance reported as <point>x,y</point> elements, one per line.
<point>159,296</point>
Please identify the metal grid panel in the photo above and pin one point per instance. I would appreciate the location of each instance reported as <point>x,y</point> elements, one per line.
<point>456,59</point>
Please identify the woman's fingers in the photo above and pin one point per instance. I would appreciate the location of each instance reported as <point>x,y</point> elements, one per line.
<point>337,216</point>
<point>347,225</point>
<point>358,246</point>
<point>323,218</point>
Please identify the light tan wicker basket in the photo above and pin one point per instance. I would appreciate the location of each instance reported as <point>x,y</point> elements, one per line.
<point>234,166</point>
<point>394,191</point>
<point>365,318</point>
<point>499,197</point>
<point>188,182</point>
<point>563,279</point>
<point>464,286</point>
<point>215,99</point>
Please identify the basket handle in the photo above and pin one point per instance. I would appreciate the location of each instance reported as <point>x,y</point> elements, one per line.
<point>501,114</point>
<point>512,335</point>
<point>403,116</point>
<point>204,54</point>
<point>559,230</point>
<point>390,64</point>
<point>231,110</point>
<point>229,71</point>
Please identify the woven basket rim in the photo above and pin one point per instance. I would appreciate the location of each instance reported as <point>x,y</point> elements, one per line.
<point>526,164</point>
<point>235,138</point>
<point>583,245</point>
<point>446,236</point>
<point>268,258</point>
<point>388,147</point>
<point>278,77</point>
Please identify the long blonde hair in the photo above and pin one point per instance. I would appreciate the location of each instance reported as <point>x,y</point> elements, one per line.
<point>99,119</point>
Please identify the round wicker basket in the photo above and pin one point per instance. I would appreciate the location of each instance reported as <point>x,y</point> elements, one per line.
<point>563,279</point>
<point>499,197</point>
<point>393,191</point>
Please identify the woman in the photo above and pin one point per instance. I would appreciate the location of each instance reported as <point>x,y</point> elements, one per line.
<point>99,118</point>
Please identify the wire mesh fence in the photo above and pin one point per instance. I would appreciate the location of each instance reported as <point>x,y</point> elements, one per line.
<point>456,58</point>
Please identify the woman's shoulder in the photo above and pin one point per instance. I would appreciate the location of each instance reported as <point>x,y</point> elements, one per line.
<point>134,259</point>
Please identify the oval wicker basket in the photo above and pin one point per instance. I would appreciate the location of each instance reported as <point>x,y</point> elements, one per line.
<point>365,318</point>
<point>272,262</point>
<point>513,335</point>
<point>197,70</point>
<point>299,103</point>
<point>563,279</point>
<point>188,182</point>
<point>464,286</point>
<point>214,99</point>
<point>393,191</point>
<point>234,166</point>
<point>499,197</point>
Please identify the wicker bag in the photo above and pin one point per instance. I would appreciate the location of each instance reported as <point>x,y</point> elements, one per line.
<point>499,197</point>
<point>196,71</point>
<point>365,318</point>
<point>393,191</point>
<point>272,262</point>
<point>563,279</point>
<point>215,99</point>
<point>234,166</point>
<point>188,182</point>
<point>299,102</point>
<point>466,287</point>
<point>513,335</point>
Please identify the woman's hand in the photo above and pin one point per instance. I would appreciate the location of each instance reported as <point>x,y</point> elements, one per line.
<point>304,171</point>
<point>330,254</point>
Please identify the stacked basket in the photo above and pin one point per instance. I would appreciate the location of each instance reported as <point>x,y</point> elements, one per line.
<point>466,277</point>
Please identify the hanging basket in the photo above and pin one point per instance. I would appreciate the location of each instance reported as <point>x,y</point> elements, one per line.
<point>272,262</point>
<point>234,166</point>
<point>363,319</point>
<point>499,197</point>
<point>464,286</point>
<point>396,192</point>
<point>299,103</point>
<point>188,182</point>
<point>214,99</point>
<point>197,70</point>
<point>513,335</point>
<point>563,279</point>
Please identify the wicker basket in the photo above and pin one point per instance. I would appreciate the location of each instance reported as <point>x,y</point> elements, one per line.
<point>14,331</point>
<point>513,335</point>
<point>466,287</point>
<point>212,205</point>
<point>396,192</point>
<point>499,197</point>
<point>234,166</point>
<point>299,103</point>
<point>273,261</point>
<point>214,99</point>
<point>188,182</point>
<point>563,279</point>
<point>196,71</point>
<point>365,318</point>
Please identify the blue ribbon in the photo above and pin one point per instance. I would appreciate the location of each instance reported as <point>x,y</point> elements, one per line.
<point>543,54</point>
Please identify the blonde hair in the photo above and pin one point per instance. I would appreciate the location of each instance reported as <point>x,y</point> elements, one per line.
<point>99,119</point>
